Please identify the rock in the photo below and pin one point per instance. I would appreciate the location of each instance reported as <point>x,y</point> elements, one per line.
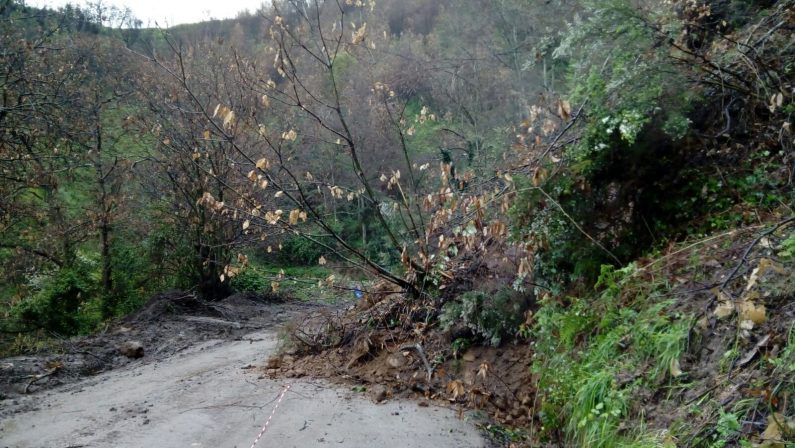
<point>132,349</point>
<point>397,360</point>
<point>378,393</point>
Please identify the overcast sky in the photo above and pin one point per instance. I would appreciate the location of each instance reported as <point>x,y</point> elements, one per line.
<point>171,12</point>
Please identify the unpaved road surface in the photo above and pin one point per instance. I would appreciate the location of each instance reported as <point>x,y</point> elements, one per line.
<point>209,395</point>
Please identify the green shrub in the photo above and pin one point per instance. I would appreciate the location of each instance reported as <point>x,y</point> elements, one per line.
<point>300,251</point>
<point>251,280</point>
<point>57,304</point>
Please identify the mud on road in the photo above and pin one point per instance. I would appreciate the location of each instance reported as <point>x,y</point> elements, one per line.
<point>198,385</point>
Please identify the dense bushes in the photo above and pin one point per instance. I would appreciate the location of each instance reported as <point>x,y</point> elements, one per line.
<point>659,151</point>
<point>58,301</point>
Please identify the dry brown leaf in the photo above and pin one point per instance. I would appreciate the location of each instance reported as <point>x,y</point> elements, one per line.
<point>772,437</point>
<point>483,371</point>
<point>750,311</point>
<point>564,110</point>
<point>724,309</point>
<point>294,215</point>
<point>456,388</point>
<point>765,265</point>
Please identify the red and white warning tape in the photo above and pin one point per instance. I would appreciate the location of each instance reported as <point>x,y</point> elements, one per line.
<point>265,427</point>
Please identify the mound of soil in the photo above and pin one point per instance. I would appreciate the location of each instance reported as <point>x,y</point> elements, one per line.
<point>382,346</point>
<point>169,323</point>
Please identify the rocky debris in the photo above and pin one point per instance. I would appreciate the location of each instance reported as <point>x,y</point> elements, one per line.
<point>132,349</point>
<point>378,393</point>
<point>397,360</point>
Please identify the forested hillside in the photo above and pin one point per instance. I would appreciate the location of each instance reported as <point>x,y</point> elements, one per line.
<point>577,214</point>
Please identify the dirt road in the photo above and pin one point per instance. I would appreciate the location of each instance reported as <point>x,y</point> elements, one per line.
<point>210,396</point>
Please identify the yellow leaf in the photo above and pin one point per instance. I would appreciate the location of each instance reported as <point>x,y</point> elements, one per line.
<point>359,35</point>
<point>263,164</point>
<point>725,306</point>
<point>206,134</point>
<point>294,215</point>
<point>321,261</point>
<point>272,218</point>
<point>246,224</point>
<point>274,286</point>
<point>229,121</point>
<point>675,369</point>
